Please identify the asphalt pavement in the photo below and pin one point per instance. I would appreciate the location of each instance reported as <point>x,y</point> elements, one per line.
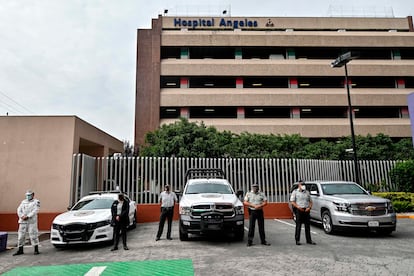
<point>340,254</point>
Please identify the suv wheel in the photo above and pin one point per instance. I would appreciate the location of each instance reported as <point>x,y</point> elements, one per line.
<point>385,232</point>
<point>327,223</point>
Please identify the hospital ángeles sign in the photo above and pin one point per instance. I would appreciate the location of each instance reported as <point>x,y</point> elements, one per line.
<point>194,23</point>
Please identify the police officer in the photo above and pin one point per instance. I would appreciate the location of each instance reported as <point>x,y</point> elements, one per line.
<point>167,200</point>
<point>255,201</point>
<point>120,220</point>
<point>27,213</point>
<point>302,203</point>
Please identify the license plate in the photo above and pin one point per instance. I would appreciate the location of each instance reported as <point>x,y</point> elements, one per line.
<point>214,226</point>
<point>373,223</point>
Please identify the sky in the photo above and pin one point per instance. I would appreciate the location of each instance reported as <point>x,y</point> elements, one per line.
<point>78,57</point>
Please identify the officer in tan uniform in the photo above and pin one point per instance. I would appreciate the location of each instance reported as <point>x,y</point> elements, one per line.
<point>302,201</point>
<point>255,201</point>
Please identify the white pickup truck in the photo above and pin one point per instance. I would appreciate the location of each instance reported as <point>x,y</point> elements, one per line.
<point>209,204</point>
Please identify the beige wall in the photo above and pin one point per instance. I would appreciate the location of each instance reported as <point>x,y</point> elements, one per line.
<point>297,67</point>
<point>36,153</point>
<point>312,128</point>
<point>283,97</point>
<point>303,23</point>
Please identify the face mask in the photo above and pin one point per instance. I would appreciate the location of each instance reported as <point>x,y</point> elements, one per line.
<point>29,197</point>
<point>303,188</point>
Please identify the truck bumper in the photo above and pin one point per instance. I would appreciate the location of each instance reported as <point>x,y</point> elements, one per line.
<point>210,222</point>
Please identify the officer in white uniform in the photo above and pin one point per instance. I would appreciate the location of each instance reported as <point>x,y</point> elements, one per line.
<point>27,212</point>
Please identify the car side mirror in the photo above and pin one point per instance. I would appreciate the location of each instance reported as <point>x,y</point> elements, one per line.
<point>178,193</point>
<point>239,194</point>
<point>315,193</point>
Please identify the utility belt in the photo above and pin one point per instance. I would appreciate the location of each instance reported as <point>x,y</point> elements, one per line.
<point>167,208</point>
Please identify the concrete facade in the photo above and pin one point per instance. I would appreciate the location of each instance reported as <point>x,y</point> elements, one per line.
<point>36,153</point>
<point>181,61</point>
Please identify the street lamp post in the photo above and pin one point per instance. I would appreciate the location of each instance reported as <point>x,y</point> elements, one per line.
<point>340,61</point>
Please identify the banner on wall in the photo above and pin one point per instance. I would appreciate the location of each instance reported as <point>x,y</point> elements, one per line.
<point>410,99</point>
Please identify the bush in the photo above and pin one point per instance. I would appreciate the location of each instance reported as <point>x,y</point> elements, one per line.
<point>402,206</point>
<point>402,202</point>
<point>402,175</point>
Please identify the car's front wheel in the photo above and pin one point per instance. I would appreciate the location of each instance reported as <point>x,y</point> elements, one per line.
<point>134,221</point>
<point>327,223</point>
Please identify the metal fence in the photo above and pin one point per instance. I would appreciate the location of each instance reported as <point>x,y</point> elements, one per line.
<point>143,178</point>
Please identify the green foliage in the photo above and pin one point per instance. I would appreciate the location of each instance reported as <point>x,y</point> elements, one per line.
<point>401,201</point>
<point>403,176</point>
<point>402,206</point>
<point>185,139</point>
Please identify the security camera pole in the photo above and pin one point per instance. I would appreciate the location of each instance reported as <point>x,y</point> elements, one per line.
<point>340,61</point>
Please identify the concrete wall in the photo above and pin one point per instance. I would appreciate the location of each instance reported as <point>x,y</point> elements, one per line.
<point>36,153</point>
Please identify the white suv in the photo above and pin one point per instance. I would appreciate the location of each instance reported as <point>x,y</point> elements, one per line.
<point>89,221</point>
<point>209,204</point>
<point>343,204</point>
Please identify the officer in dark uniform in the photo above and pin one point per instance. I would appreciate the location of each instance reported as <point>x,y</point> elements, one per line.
<point>120,220</point>
<point>255,201</point>
<point>302,203</point>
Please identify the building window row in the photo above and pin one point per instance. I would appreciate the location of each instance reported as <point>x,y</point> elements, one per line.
<point>219,112</point>
<point>217,52</point>
<point>285,82</point>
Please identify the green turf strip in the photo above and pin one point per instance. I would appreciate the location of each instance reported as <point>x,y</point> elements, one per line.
<point>154,268</point>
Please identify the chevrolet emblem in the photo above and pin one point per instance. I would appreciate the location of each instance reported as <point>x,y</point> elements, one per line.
<point>370,208</point>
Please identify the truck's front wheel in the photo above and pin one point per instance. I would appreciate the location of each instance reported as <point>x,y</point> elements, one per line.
<point>183,233</point>
<point>239,233</point>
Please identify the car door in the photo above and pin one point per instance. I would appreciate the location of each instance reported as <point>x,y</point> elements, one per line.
<point>314,191</point>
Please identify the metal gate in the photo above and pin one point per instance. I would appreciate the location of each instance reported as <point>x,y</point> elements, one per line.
<point>143,178</point>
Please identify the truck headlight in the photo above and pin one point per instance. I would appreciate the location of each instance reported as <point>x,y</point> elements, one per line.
<point>390,209</point>
<point>342,207</point>
<point>185,210</point>
<point>239,210</point>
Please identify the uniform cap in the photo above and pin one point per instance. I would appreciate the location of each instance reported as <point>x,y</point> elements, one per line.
<point>255,185</point>
<point>29,192</point>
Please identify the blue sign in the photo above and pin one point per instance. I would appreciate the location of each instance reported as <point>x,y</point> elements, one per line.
<point>410,99</point>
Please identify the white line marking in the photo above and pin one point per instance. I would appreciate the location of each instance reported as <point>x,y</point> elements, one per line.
<point>95,271</point>
<point>292,225</point>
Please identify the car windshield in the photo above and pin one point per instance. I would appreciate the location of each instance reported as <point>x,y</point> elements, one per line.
<point>93,204</point>
<point>210,187</point>
<point>342,189</point>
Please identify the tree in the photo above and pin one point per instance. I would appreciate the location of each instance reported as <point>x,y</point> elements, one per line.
<point>185,139</point>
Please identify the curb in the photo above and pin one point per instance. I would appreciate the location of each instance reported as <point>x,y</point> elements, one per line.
<point>402,216</point>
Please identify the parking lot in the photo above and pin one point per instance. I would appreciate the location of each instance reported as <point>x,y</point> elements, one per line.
<point>346,253</point>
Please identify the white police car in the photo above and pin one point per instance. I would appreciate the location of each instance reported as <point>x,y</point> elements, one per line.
<point>88,221</point>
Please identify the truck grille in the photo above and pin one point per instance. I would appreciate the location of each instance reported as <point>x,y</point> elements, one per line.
<point>369,209</point>
<point>226,209</point>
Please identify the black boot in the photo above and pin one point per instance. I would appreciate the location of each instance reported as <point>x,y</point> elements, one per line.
<point>36,250</point>
<point>19,252</point>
